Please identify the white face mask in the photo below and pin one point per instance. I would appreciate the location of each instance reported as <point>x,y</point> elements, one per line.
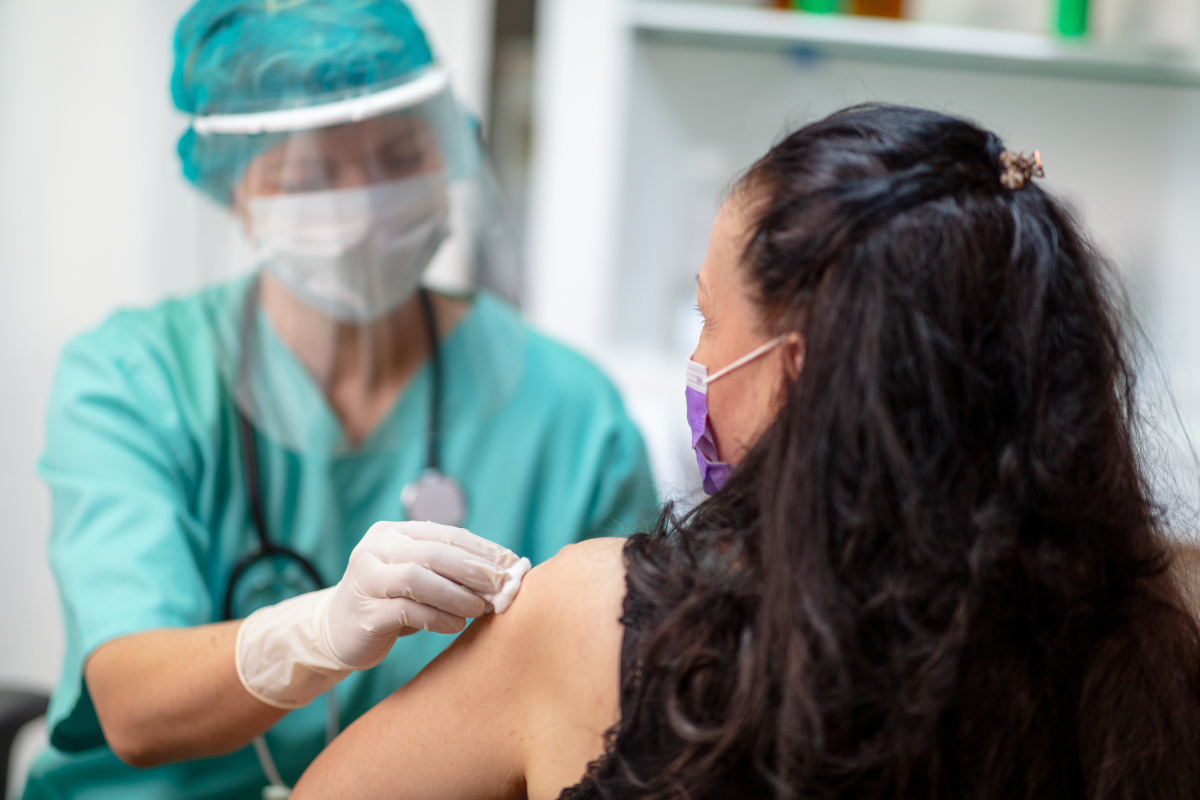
<point>353,254</point>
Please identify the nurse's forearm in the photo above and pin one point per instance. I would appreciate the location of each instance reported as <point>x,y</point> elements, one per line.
<point>174,694</point>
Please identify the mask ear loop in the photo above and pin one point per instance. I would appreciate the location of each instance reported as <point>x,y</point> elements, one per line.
<point>746,359</point>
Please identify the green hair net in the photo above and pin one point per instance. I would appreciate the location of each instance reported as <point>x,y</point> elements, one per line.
<point>241,56</point>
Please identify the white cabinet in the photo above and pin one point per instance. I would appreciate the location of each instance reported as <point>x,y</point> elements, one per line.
<point>646,111</point>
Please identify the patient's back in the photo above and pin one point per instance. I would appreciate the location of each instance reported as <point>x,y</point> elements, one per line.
<point>677,704</point>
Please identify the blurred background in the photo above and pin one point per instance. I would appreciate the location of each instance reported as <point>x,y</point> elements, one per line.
<point>615,127</point>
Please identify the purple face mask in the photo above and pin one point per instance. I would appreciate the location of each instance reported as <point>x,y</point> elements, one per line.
<point>713,472</point>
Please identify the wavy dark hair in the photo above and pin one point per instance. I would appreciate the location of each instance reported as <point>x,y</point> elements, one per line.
<point>939,573</point>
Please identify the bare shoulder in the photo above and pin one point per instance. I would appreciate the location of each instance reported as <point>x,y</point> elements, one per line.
<point>582,581</point>
<point>571,606</point>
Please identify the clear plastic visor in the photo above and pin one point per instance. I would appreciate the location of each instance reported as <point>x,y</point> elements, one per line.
<point>346,222</point>
<point>384,149</point>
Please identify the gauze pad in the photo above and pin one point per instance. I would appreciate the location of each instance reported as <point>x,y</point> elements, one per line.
<point>502,599</point>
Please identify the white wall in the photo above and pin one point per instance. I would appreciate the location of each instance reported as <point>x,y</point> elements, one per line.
<point>93,216</point>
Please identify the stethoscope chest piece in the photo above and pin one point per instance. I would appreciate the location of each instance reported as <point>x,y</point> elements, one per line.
<point>435,497</point>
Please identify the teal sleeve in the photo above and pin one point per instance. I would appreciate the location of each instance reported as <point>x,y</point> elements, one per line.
<point>624,500</point>
<point>123,547</point>
<point>591,476</point>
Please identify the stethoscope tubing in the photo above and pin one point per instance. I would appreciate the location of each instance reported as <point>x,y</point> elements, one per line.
<point>434,428</point>
<point>266,548</point>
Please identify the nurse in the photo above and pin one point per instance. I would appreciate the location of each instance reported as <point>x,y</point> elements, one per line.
<point>226,456</point>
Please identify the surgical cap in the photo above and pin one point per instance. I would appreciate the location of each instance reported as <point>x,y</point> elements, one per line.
<point>239,56</point>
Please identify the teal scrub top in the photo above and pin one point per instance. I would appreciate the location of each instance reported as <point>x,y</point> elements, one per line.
<point>150,511</point>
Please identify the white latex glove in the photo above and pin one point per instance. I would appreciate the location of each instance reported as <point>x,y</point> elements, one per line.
<point>402,577</point>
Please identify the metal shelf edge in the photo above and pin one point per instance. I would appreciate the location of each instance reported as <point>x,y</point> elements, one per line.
<point>899,42</point>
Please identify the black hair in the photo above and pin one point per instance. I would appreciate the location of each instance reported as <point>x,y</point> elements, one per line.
<point>939,573</point>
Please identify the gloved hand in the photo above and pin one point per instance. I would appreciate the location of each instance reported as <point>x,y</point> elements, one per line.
<point>410,576</point>
<point>402,577</point>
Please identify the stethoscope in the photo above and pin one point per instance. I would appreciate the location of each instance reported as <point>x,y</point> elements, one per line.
<point>272,572</point>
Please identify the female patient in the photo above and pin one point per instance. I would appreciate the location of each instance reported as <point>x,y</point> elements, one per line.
<point>934,570</point>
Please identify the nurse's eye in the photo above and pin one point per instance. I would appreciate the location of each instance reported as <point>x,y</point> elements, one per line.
<point>401,157</point>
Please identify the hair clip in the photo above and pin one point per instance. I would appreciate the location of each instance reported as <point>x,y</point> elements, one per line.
<point>1016,169</point>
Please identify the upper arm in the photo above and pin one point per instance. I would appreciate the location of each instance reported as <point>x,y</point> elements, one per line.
<point>518,704</point>
<point>119,496</point>
<point>121,545</point>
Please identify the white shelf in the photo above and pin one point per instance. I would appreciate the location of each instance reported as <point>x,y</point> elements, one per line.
<point>903,42</point>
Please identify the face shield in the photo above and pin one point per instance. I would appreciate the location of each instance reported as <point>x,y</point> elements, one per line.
<point>347,204</point>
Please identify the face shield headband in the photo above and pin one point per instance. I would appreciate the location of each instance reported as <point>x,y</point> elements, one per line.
<point>427,85</point>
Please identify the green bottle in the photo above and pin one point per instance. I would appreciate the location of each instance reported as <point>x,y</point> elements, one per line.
<point>818,6</point>
<point>1072,17</point>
